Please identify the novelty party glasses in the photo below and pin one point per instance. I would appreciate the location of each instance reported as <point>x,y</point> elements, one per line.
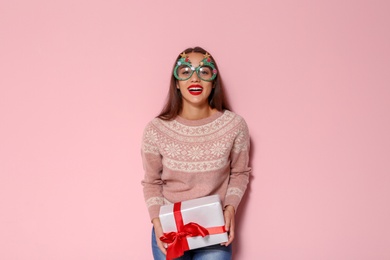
<point>184,70</point>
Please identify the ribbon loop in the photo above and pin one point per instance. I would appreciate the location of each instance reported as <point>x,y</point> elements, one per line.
<point>177,240</point>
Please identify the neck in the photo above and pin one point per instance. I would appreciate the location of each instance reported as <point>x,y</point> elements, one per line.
<point>196,113</point>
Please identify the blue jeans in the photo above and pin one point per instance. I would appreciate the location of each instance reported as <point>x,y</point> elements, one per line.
<point>215,252</point>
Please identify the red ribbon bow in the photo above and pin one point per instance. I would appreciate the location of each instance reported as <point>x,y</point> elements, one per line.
<point>177,240</point>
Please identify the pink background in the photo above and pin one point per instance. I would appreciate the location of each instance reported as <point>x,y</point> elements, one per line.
<point>80,79</point>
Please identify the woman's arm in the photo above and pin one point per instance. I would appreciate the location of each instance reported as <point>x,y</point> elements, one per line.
<point>152,164</point>
<point>239,167</point>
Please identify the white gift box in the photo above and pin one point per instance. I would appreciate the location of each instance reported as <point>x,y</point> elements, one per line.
<point>206,212</point>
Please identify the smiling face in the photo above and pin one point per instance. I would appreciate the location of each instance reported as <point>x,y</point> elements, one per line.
<point>194,91</point>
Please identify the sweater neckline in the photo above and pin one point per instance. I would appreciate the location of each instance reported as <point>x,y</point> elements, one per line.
<point>199,122</point>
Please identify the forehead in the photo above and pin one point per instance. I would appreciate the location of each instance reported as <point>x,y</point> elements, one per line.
<point>195,58</point>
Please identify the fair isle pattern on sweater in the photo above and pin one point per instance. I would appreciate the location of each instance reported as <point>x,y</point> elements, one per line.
<point>213,153</point>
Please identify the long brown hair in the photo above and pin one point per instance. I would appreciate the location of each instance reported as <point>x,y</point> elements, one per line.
<point>174,103</point>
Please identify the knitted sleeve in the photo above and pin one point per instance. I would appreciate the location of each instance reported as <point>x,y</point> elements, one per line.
<point>239,168</point>
<point>152,164</point>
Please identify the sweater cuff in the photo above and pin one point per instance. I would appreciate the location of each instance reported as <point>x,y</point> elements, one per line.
<point>154,211</point>
<point>232,200</point>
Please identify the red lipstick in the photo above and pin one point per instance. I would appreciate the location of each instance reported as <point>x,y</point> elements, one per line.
<point>195,89</point>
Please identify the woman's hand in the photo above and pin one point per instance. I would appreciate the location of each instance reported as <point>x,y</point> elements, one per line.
<point>159,232</point>
<point>229,223</point>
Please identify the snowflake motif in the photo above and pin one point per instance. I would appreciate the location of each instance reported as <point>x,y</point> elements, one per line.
<point>186,130</point>
<point>218,149</point>
<point>195,153</point>
<point>204,167</point>
<point>151,135</point>
<point>185,166</point>
<point>203,130</point>
<point>172,150</point>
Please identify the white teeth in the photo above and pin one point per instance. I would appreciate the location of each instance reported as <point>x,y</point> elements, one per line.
<point>195,89</point>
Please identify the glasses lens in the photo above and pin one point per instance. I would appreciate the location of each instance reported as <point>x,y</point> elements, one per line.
<point>184,72</point>
<point>205,72</point>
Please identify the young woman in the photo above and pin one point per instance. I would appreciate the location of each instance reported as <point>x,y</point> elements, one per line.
<point>196,147</point>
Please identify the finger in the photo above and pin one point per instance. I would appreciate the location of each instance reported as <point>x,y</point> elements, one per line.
<point>163,250</point>
<point>232,225</point>
<point>163,247</point>
<point>231,231</point>
<point>227,221</point>
<point>227,226</point>
<point>231,238</point>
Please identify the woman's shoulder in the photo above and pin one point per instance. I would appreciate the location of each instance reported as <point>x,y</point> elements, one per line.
<point>234,117</point>
<point>154,123</point>
<point>152,130</point>
<point>160,125</point>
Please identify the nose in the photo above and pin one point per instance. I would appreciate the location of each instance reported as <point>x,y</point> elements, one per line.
<point>195,77</point>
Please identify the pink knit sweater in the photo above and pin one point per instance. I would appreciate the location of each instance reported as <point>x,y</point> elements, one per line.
<point>187,159</point>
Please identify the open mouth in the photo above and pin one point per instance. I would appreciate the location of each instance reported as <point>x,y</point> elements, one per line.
<point>195,89</point>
